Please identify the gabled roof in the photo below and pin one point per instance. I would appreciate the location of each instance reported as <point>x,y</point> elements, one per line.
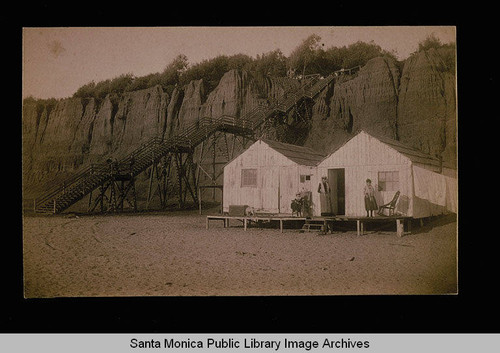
<point>308,157</point>
<point>299,154</point>
<point>411,153</point>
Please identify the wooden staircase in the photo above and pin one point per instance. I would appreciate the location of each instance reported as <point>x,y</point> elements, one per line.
<point>312,225</point>
<point>62,196</point>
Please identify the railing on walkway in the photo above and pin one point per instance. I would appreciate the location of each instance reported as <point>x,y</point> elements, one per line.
<point>74,188</point>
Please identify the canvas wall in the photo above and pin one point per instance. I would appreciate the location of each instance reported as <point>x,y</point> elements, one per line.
<point>364,157</point>
<point>277,180</point>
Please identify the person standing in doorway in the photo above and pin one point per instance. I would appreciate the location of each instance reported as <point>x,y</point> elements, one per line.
<point>324,197</point>
<point>370,202</point>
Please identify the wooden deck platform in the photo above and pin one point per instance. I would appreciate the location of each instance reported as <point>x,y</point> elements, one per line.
<point>245,219</point>
<point>360,221</point>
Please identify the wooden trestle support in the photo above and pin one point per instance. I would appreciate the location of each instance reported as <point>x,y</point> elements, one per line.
<point>114,192</point>
<point>192,173</point>
<point>191,162</point>
<point>221,147</point>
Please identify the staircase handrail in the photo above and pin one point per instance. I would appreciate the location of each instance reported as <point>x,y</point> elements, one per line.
<point>187,135</point>
<point>66,184</point>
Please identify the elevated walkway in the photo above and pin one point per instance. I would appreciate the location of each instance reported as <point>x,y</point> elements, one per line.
<point>105,175</point>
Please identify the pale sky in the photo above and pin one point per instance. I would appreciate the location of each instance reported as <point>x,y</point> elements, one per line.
<point>57,61</point>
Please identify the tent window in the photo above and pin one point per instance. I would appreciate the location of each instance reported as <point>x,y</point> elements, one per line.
<point>249,177</point>
<point>388,181</point>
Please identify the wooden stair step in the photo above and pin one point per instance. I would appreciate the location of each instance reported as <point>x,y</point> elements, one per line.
<point>149,152</point>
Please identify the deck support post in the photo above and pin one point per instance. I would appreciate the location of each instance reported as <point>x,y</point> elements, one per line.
<point>399,227</point>
<point>360,227</point>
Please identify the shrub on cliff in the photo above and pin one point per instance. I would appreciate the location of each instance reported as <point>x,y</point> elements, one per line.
<point>308,58</point>
<point>431,41</point>
<point>311,58</point>
<point>446,51</point>
<point>99,90</point>
<point>211,71</point>
<point>268,64</point>
<point>305,55</point>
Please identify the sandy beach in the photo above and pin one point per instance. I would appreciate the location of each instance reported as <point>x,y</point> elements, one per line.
<point>173,254</point>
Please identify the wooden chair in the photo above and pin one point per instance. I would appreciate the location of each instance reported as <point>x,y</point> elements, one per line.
<point>390,206</point>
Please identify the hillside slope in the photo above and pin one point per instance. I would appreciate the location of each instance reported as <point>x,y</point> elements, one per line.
<point>416,106</point>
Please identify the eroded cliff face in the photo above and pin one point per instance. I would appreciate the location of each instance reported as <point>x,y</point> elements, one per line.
<point>60,137</point>
<point>367,100</point>
<point>416,106</point>
<point>427,114</point>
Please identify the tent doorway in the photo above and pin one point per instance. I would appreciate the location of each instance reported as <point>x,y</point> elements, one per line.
<point>336,179</point>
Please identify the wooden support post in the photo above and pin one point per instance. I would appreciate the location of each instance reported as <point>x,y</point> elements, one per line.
<point>167,177</point>
<point>222,201</point>
<point>121,195</point>
<point>178,164</point>
<point>103,190</point>
<point>192,172</point>
<point>199,199</point>
<point>150,188</point>
<point>207,222</point>
<point>360,227</point>
<point>90,201</point>
<point>399,227</point>
<point>112,199</point>
<point>281,226</point>
<point>245,223</point>
<point>134,194</point>
<point>214,170</point>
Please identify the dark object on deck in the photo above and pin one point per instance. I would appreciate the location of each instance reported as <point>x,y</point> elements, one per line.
<point>301,205</point>
<point>237,210</point>
<point>390,206</point>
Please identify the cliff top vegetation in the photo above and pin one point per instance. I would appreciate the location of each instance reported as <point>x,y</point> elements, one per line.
<point>307,58</point>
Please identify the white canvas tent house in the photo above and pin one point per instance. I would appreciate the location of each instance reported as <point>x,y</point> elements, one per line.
<point>268,175</point>
<point>426,188</point>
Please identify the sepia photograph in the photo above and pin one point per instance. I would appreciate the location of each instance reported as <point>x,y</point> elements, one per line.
<point>239,161</point>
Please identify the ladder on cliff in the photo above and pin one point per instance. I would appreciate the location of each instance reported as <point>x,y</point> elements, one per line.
<point>94,176</point>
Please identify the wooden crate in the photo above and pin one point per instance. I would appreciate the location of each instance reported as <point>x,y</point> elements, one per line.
<point>237,210</point>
